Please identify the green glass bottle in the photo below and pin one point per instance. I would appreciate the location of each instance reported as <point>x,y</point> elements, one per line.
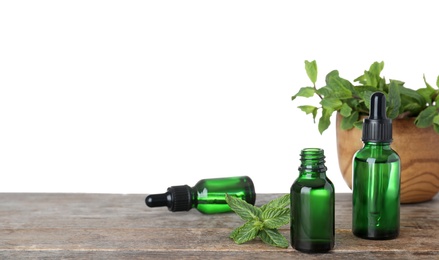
<point>207,196</point>
<point>312,205</point>
<point>376,178</point>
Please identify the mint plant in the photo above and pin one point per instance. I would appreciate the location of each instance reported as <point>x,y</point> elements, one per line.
<point>262,222</point>
<point>353,100</point>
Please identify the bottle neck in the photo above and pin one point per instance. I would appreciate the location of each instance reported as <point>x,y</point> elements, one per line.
<point>312,164</point>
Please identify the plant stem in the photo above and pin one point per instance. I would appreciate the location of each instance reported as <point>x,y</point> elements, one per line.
<point>315,88</point>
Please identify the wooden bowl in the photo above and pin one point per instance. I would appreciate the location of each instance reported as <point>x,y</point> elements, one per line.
<point>418,149</point>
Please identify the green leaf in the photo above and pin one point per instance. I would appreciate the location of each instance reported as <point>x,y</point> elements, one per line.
<point>411,101</point>
<point>235,232</point>
<point>280,202</point>
<point>304,92</point>
<point>325,119</point>
<point>345,110</point>
<point>427,94</point>
<point>341,88</point>
<point>371,77</point>
<point>436,128</point>
<point>437,82</point>
<point>376,68</point>
<point>275,217</point>
<point>413,108</point>
<point>311,70</point>
<point>332,103</point>
<point>359,124</point>
<point>245,233</point>
<point>324,91</point>
<point>382,84</point>
<point>394,100</point>
<point>308,110</point>
<point>273,237</point>
<point>243,209</point>
<point>425,118</point>
<point>413,95</point>
<point>348,122</point>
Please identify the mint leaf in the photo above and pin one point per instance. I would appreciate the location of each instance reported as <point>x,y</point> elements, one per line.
<point>308,110</point>
<point>332,103</point>
<point>276,217</point>
<point>371,77</point>
<point>376,68</point>
<point>426,117</point>
<point>437,81</point>
<point>243,209</point>
<point>304,92</point>
<point>311,70</point>
<point>235,232</point>
<point>414,108</point>
<point>415,96</point>
<point>324,91</point>
<point>281,202</point>
<point>341,88</point>
<point>325,119</point>
<point>359,124</point>
<point>245,233</point>
<point>348,122</point>
<point>273,237</point>
<point>345,110</point>
<point>427,94</point>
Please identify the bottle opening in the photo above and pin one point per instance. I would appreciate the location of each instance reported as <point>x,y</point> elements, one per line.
<point>312,153</point>
<point>312,150</point>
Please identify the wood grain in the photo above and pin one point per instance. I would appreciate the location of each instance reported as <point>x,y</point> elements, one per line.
<point>417,148</point>
<point>113,226</point>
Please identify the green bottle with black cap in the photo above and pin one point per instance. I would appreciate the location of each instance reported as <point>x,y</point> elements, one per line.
<point>208,196</point>
<point>376,177</point>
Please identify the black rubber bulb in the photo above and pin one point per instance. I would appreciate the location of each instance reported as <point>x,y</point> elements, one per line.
<point>378,106</point>
<point>157,200</point>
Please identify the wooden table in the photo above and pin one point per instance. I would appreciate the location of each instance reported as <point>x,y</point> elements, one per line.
<point>114,226</point>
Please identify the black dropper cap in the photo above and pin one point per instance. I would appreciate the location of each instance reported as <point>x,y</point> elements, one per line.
<point>177,198</point>
<point>377,128</point>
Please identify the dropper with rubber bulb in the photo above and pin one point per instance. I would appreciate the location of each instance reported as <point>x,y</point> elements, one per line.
<point>376,177</point>
<point>377,128</point>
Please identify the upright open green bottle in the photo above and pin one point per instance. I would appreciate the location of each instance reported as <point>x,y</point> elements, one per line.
<point>207,196</point>
<point>376,177</point>
<point>312,205</point>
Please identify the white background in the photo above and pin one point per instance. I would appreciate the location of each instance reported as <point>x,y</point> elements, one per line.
<point>136,96</point>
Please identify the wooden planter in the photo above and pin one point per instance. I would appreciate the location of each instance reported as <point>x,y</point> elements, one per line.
<point>418,149</point>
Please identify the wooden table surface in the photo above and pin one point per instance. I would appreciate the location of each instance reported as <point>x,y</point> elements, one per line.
<point>115,226</point>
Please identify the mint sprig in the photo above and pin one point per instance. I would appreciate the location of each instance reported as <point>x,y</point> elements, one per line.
<point>261,222</point>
